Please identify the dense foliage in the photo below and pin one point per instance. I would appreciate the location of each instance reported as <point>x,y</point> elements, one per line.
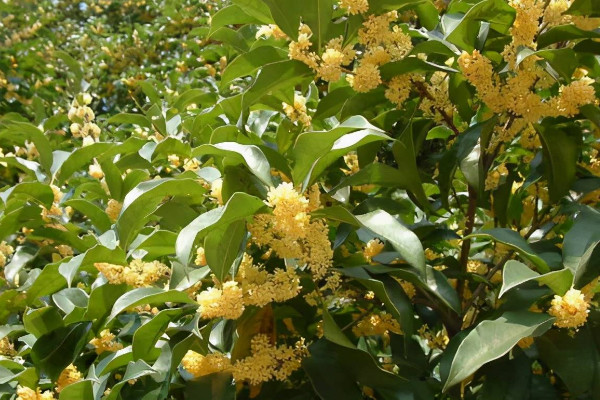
<point>300,199</point>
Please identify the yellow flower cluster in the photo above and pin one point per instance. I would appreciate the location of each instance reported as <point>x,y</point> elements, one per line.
<point>437,99</point>
<point>95,171</point>
<point>25,393</point>
<point>271,31</point>
<point>113,209</point>
<point>297,112</point>
<point>268,361</point>
<point>372,249</point>
<point>327,66</point>
<point>200,257</point>
<point>376,325</point>
<point>438,340</point>
<point>137,274</point>
<point>553,16</point>
<point>216,188</point>
<point>67,377</point>
<point>7,348</point>
<point>492,180</point>
<point>382,44</point>
<point>6,251</point>
<point>570,310</point>
<point>226,302</point>
<point>290,232</point>
<point>106,342</point>
<point>354,6</point>
<point>525,26</point>
<point>398,89</point>
<point>476,267</point>
<point>199,365</point>
<point>82,118</point>
<point>260,288</point>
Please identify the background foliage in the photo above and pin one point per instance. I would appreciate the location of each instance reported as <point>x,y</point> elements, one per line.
<point>392,199</point>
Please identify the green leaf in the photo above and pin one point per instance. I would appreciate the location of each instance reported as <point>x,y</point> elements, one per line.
<point>490,340</point>
<point>128,118</point>
<point>42,321</point>
<point>275,77</point>
<point>579,244</point>
<point>147,295</point>
<point>256,8</point>
<point>516,242</point>
<point>561,60</point>
<point>95,214</point>
<point>239,207</point>
<point>516,273</point>
<point>78,159</point>
<point>405,153</point>
<point>146,336</point>
<point>24,191</point>
<point>561,152</point>
<point>135,370</point>
<point>562,33</point>
<point>82,390</point>
<point>336,371</point>
<point>565,352</point>
<point>248,63</point>
<point>315,151</point>
<point>223,246</point>
<point>402,239</point>
<point>141,202</point>
<point>20,131</point>
<point>54,351</point>
<point>464,31</point>
<point>587,8</point>
<point>230,15</point>
<point>250,155</point>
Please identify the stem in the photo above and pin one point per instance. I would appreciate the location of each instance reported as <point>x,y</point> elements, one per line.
<point>466,243</point>
<point>425,93</point>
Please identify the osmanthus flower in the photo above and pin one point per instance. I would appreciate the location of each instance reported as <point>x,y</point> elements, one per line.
<point>354,6</point>
<point>25,393</point>
<point>137,274</point>
<point>7,348</point>
<point>570,310</point>
<point>6,251</point>
<point>261,287</point>
<point>200,365</point>
<point>113,209</point>
<point>224,302</point>
<point>105,342</point>
<point>373,248</point>
<point>297,112</point>
<point>268,361</point>
<point>67,377</point>
<point>376,325</point>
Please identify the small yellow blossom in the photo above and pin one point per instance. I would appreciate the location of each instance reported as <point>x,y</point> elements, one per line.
<point>106,342</point>
<point>226,302</point>
<point>199,365</point>
<point>68,376</point>
<point>372,249</point>
<point>268,361</point>
<point>355,6</point>
<point>570,310</point>
<point>113,209</point>
<point>216,188</point>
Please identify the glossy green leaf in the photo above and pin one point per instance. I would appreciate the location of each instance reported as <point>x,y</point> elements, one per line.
<point>491,339</point>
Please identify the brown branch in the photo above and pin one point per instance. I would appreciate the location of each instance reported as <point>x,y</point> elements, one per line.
<point>425,93</point>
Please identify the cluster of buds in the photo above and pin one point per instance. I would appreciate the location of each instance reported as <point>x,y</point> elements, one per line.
<point>82,118</point>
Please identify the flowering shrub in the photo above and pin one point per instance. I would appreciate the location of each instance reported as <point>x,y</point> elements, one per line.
<point>263,199</point>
